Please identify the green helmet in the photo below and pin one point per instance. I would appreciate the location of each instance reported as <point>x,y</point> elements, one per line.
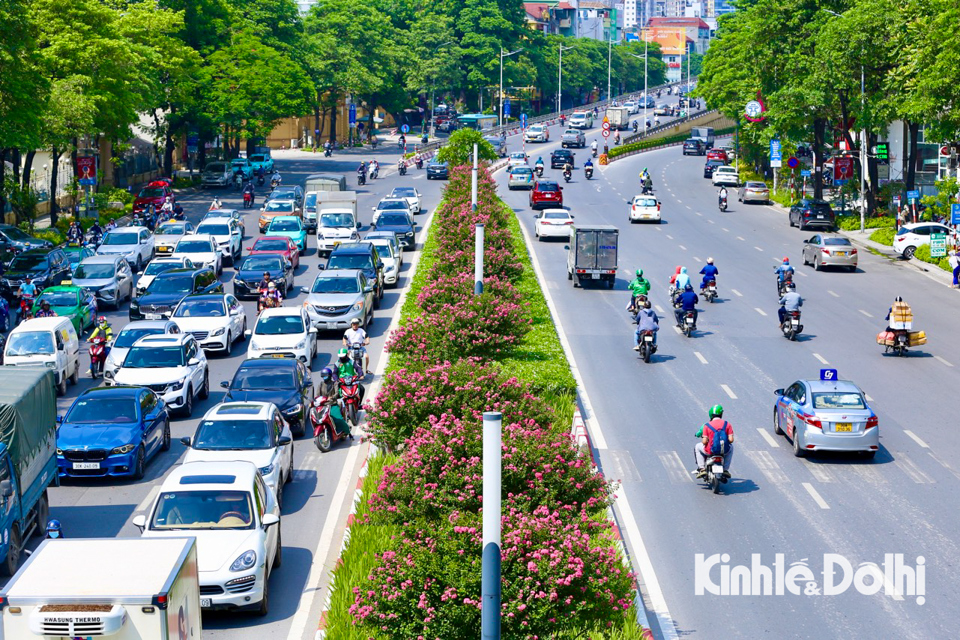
<point>639,273</point>
<point>716,411</point>
<point>343,354</point>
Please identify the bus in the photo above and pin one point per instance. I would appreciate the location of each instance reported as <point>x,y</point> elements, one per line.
<point>478,121</point>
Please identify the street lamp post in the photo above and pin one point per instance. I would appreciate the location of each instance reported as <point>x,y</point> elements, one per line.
<point>502,56</point>
<point>433,87</point>
<point>644,56</point>
<point>560,76</point>
<point>609,58</point>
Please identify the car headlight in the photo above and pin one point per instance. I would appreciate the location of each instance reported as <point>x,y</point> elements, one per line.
<point>246,560</point>
<point>390,268</point>
<point>267,470</point>
<point>355,236</point>
<point>59,452</point>
<point>301,344</point>
<point>218,332</point>
<point>109,374</point>
<point>135,304</point>
<point>131,254</point>
<point>297,408</point>
<point>176,386</point>
<point>254,346</point>
<point>109,292</point>
<point>51,365</point>
<point>127,448</point>
<point>357,305</point>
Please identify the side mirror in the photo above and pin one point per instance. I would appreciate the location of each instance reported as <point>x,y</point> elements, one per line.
<point>283,440</point>
<point>193,362</point>
<point>313,329</point>
<point>186,441</point>
<point>59,419</point>
<point>322,267</point>
<point>225,384</point>
<point>778,392</point>
<point>308,383</point>
<point>287,265</point>
<point>368,289</point>
<point>6,488</point>
<point>373,208</point>
<point>247,333</point>
<point>140,522</point>
<point>269,519</point>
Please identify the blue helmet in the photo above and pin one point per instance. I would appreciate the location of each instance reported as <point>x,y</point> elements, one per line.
<point>326,373</point>
<point>54,530</point>
<point>689,287</point>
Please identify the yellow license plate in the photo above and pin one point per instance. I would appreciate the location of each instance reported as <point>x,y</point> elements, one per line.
<point>164,249</point>
<point>843,426</point>
<point>841,253</point>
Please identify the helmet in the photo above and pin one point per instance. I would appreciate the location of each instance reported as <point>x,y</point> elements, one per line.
<point>45,304</point>
<point>790,286</point>
<point>639,273</point>
<point>342,354</point>
<point>266,275</point>
<point>272,286</point>
<point>326,373</point>
<point>709,260</point>
<point>689,287</point>
<point>646,304</point>
<point>899,299</point>
<point>54,530</point>
<point>716,411</point>
<point>786,260</point>
<point>355,321</point>
<point>102,320</point>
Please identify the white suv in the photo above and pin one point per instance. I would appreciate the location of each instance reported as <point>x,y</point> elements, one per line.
<point>283,332</point>
<point>215,320</point>
<point>227,234</point>
<point>536,133</point>
<point>201,250</point>
<point>726,176</point>
<point>172,365</point>
<point>135,244</point>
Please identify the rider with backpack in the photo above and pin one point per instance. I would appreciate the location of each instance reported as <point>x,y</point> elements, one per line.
<point>716,438</point>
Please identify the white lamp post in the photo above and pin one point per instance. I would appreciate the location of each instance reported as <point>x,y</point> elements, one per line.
<point>560,76</point>
<point>502,56</point>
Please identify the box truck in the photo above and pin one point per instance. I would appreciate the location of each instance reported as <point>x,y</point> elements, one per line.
<point>326,199</point>
<point>592,256</point>
<point>337,221</point>
<point>619,117</point>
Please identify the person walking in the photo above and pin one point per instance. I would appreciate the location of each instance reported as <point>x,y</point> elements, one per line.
<point>954,261</point>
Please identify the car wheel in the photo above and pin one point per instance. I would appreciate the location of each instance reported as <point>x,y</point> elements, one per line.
<point>243,331</point>
<point>75,376</point>
<point>776,423</point>
<point>139,265</point>
<point>205,389</point>
<point>165,442</point>
<point>817,266</point>
<point>280,496</point>
<point>278,558</point>
<point>139,464</point>
<point>62,385</point>
<point>790,219</point>
<point>908,252</point>
<point>264,607</point>
<point>228,350</point>
<point>797,450</point>
<point>12,561</point>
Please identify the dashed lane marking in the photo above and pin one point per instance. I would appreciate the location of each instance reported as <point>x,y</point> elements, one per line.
<point>832,293</point>
<point>700,357</point>
<point>910,468</point>
<point>766,463</point>
<point>943,361</point>
<point>916,438</point>
<point>682,247</point>
<point>820,358</point>
<point>816,496</point>
<point>760,311</point>
<point>818,471</point>
<point>677,473</point>
<point>669,236</point>
<point>659,308</point>
<point>696,259</point>
<point>725,229</point>
<point>148,499</point>
<point>769,438</point>
<point>758,248</point>
<point>711,222</point>
<point>869,315</point>
<point>741,238</point>
<point>739,295</point>
<point>729,391</point>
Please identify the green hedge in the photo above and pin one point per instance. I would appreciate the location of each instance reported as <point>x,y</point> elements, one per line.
<point>884,236</point>
<point>852,223</point>
<point>923,253</point>
<point>648,143</point>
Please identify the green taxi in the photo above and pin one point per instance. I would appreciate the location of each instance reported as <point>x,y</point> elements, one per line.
<point>68,301</point>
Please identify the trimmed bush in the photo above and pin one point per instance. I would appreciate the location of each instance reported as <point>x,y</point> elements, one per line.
<point>852,223</point>
<point>923,253</point>
<point>884,236</point>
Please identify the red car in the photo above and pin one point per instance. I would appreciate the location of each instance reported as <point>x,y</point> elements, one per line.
<point>154,194</point>
<point>276,244</point>
<point>546,193</point>
<point>718,154</point>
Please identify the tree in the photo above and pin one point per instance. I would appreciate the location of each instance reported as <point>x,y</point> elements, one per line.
<point>459,148</point>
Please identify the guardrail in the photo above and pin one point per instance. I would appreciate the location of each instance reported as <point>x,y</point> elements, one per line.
<point>640,135</point>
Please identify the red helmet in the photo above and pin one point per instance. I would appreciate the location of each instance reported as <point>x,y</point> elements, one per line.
<point>786,260</point>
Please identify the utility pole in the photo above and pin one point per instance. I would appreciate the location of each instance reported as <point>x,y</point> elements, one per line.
<point>863,158</point>
<point>502,56</point>
<point>560,76</point>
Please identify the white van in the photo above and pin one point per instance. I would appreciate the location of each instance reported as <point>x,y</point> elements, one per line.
<point>581,120</point>
<point>48,342</point>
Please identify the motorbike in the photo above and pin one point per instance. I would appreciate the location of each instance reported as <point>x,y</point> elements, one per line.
<point>98,355</point>
<point>238,182</point>
<point>588,172</point>
<point>539,170</point>
<point>646,190</point>
<point>635,126</point>
<point>374,172</point>
<point>247,200</point>
<point>260,181</point>
<point>710,291</point>
<point>327,152</point>
<point>325,433</point>
<point>901,340</point>
<point>635,302</point>
<point>594,152</point>
<point>723,204</point>
<point>274,183</point>
<point>26,307</point>
<point>266,301</point>
<point>350,398</point>
<point>647,345</point>
<point>783,284</point>
<point>713,471</point>
<point>356,355</point>
<point>361,178</point>
<point>566,175</point>
<point>403,169</point>
<point>791,326</point>
<point>687,324</point>
<point>419,162</point>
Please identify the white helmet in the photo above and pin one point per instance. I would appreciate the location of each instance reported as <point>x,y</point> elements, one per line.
<point>355,321</point>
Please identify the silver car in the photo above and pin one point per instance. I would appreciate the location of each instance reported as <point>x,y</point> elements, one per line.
<point>520,178</point>
<point>109,278</point>
<point>826,415</point>
<point>337,296</point>
<point>754,192</point>
<point>498,143</point>
<point>573,138</point>
<point>829,251</point>
<point>168,235</point>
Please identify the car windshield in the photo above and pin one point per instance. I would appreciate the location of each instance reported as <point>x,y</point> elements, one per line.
<point>214,229</point>
<point>220,213</point>
<point>547,186</point>
<point>393,220</point>
<point>284,225</point>
<point>94,270</point>
<point>522,171</point>
<point>75,257</point>
<point>645,202</point>
<point>519,155</point>
<point>200,309</point>
<point>726,170</point>
<point>120,239</point>
<point>354,261</point>
<point>756,185</point>
<point>28,262</point>
<point>572,132</point>
<point>91,409</point>
<point>29,343</point>
<point>279,206</point>
<point>262,263</point>
<point>335,220</point>
<point>233,435</point>
<point>325,284</point>
<point>154,267</point>
<point>837,241</point>
<point>239,163</point>
<point>59,298</point>
<point>271,244</point>
<point>310,200</point>
<point>556,215</point>
<point>127,337</point>
<point>279,325</point>
<point>194,246</point>
<point>386,205</point>
<point>203,510</point>
<point>171,284</point>
<point>264,379</point>
<point>838,400</point>
<point>150,193</point>
<point>256,158</point>
<point>404,192</point>
<point>216,167</point>
<point>16,234</point>
<point>384,248</point>
<point>153,357</point>
<point>171,230</point>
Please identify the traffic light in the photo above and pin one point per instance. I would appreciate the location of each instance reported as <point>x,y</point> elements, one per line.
<point>882,151</point>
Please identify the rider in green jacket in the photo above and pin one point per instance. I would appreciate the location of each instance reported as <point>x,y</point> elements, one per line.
<point>639,286</point>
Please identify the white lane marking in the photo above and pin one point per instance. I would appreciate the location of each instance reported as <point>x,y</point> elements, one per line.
<point>766,463</point>
<point>916,438</point>
<point>418,177</point>
<point>758,248</point>
<point>677,329</point>
<point>801,274</point>
<point>867,396</point>
<point>682,247</point>
<point>943,361</point>
<point>696,259</point>
<point>700,357</point>
<point>769,438</point>
<point>760,311</point>
<point>867,473</point>
<point>669,236</point>
<point>946,466</point>
<point>819,472</point>
<point>148,500</point>
<point>741,238</point>
<point>725,229</point>
<point>698,213</point>
<point>816,496</point>
<point>658,308</point>
<point>869,315</point>
<point>674,466</point>
<point>832,293</point>
<point>739,295</point>
<point>820,358</point>
<point>729,392</point>
<point>910,468</point>
<point>711,222</point>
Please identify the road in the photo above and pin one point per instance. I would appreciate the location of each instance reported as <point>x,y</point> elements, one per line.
<point>802,508</point>
<point>105,508</point>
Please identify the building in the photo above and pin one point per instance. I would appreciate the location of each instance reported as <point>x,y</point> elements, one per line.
<point>696,29</point>
<point>674,45</point>
<point>631,14</point>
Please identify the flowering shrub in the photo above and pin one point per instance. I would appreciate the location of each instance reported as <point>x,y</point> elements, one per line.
<point>447,291</point>
<point>497,263</point>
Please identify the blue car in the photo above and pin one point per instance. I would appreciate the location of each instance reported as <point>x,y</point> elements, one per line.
<point>290,227</point>
<point>112,432</point>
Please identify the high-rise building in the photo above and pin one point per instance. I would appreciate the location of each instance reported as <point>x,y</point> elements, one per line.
<point>631,14</point>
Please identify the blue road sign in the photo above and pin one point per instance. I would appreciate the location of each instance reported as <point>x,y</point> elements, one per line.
<point>805,173</point>
<point>353,114</point>
<point>523,120</point>
<point>405,128</point>
<point>506,107</point>
<point>828,374</point>
<point>913,195</point>
<point>955,214</point>
<point>776,150</point>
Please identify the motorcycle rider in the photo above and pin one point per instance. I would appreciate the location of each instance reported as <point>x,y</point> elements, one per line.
<point>715,431</point>
<point>261,174</point>
<point>639,286</point>
<point>265,282</point>
<point>593,147</point>
<point>686,301</point>
<point>784,272</point>
<point>789,301</point>
<point>374,169</point>
<point>276,178</point>
<point>355,334</point>
<point>681,279</point>
<point>567,168</point>
<point>271,291</point>
<point>216,204</point>
<point>889,313</point>
<point>362,170</point>
<point>96,232</point>
<point>54,531</point>
<point>248,188</point>
<point>45,310</point>
<point>75,233</point>
<point>722,196</point>
<point>646,320</point>
<point>27,291</point>
<point>400,165</point>
<point>709,273</point>
<point>345,369</point>
<point>327,394</point>
<point>538,164</point>
<point>104,329</point>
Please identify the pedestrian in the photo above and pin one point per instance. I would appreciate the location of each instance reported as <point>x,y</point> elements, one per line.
<point>954,261</point>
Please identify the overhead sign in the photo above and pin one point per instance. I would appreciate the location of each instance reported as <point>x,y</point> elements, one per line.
<point>938,245</point>
<point>955,213</point>
<point>87,170</point>
<point>792,162</point>
<point>842,168</point>
<point>776,153</point>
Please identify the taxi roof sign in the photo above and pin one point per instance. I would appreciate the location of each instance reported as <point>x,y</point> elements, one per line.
<point>828,375</point>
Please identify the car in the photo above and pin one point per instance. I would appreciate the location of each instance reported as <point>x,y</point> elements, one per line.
<point>553,223</point>
<point>499,144</point>
<point>730,151</point>
<point>201,250</point>
<point>537,133</point>
<point>172,365</point>
<point>520,178</point>
<point>16,240</point>
<point>262,161</point>
<point>135,244</point>
<point>663,109</point>
<point>169,288</point>
<point>393,205</point>
<point>437,170</point>
<point>159,265</point>
<point>276,245</point>
<point>517,159</point>
<point>215,320</point>
<point>227,235</point>
<point>111,432</point>
<point>363,256</point>
<point>411,195</point>
<point>109,278</point>
<point>811,213</point>
<point>242,165</point>
<point>826,415</point>
<point>693,147</point>
<point>216,174</point>
<point>235,519</point>
<point>152,195</point>
<point>168,235</point>
<point>560,157</point>
<point>392,259</point>
<point>339,295</point>
<point>754,192</point>
<point>633,106</point>
<point>283,332</point>
<point>69,301</point>
<point>401,224</point>
<point>336,228</point>
<point>43,267</point>
<point>234,214</point>
<point>573,138</point>
<point>644,207</point>
<point>581,120</point>
<point>718,154</point>
<point>289,227</point>
<point>132,332</point>
<point>252,431</point>
<point>911,236</point>
<point>287,192</point>
<point>76,254</point>
<point>285,382</point>
<point>710,166</point>
<point>394,241</point>
<point>246,282</point>
<point>546,193</point>
<point>829,251</point>
<point>726,176</point>
<point>276,208</point>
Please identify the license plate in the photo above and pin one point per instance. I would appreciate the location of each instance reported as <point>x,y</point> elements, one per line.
<point>277,355</point>
<point>820,217</point>
<point>86,465</point>
<point>717,469</point>
<point>840,253</point>
<point>595,276</point>
<point>794,322</point>
<point>206,603</point>
<point>648,338</point>
<point>843,426</point>
<point>689,320</point>
<point>164,249</point>
<point>152,316</point>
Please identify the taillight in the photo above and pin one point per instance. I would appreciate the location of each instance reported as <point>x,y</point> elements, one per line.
<point>853,252</point>
<point>825,250</point>
<point>872,422</point>
<point>813,421</point>
<point>658,206</point>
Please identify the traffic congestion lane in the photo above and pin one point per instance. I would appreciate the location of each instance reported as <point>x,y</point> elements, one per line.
<point>105,509</point>
<point>726,364</point>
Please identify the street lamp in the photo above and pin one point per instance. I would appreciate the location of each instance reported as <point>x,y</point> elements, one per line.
<point>502,56</point>
<point>560,76</point>
<point>433,87</point>
<point>644,56</point>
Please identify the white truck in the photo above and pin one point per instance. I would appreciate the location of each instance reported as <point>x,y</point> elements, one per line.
<point>314,184</point>
<point>114,588</point>
<point>337,220</point>
<point>619,117</point>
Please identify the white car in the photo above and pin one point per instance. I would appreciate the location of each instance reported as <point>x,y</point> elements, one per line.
<point>411,195</point>
<point>553,223</point>
<point>726,176</point>
<point>632,105</point>
<point>234,214</point>
<point>133,332</point>
<point>536,133</point>
<point>251,431</point>
<point>911,236</point>
<point>227,234</point>
<point>283,332</point>
<point>393,205</point>
<point>135,244</point>
<point>172,365</point>
<point>157,266</point>
<point>644,208</point>
<point>201,250</point>
<point>168,235</point>
<point>581,120</point>
<point>391,263</point>
<point>215,320</point>
<point>517,159</point>
<point>235,519</point>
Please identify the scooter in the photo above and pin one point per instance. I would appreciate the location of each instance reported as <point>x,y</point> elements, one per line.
<point>538,170</point>
<point>350,398</point>
<point>791,326</point>
<point>267,302</point>
<point>361,178</point>
<point>723,204</point>
<point>403,169</point>
<point>247,200</point>
<point>635,304</point>
<point>419,162</point>
<point>709,291</point>
<point>594,152</point>
<point>647,346</point>
<point>26,307</point>
<point>327,152</point>
<point>713,473</point>
<point>357,357</point>
<point>98,355</point>
<point>784,284</point>
<point>566,176</point>
<point>635,126</point>
<point>260,180</point>
<point>274,183</point>
<point>687,324</point>
<point>325,433</point>
<point>588,172</point>
<point>374,172</point>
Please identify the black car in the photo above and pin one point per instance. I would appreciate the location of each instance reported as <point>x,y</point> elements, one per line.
<point>694,147</point>
<point>362,256</point>
<point>561,157</point>
<point>400,224</point>
<point>285,382</point>
<point>44,267</point>
<point>15,240</point>
<point>169,288</point>
<point>438,170</point>
<point>250,272</point>
<point>710,166</point>
<point>812,213</point>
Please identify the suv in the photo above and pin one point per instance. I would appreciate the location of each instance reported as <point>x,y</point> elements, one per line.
<point>337,296</point>
<point>812,213</point>
<point>546,193</point>
<point>694,147</point>
<point>216,174</point>
<point>14,239</point>
<point>169,288</point>
<point>536,133</point>
<point>560,157</point>
<point>362,256</point>
<point>45,267</point>
<point>154,194</point>
<point>581,120</point>
<point>107,277</point>
<point>573,138</point>
<point>135,244</point>
<point>710,166</point>
<point>401,223</point>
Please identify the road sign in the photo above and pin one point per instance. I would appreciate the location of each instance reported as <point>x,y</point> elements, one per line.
<point>353,114</point>
<point>938,245</point>
<point>776,153</point>
<point>882,151</point>
<point>792,162</point>
<point>606,125</point>
<point>828,374</point>
<point>405,128</point>
<point>913,196</point>
<point>606,121</point>
<point>523,120</point>
<point>955,214</point>
<point>605,133</point>
<point>506,107</point>
<point>896,200</point>
<point>842,168</point>
<point>805,173</point>
<point>87,170</point>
